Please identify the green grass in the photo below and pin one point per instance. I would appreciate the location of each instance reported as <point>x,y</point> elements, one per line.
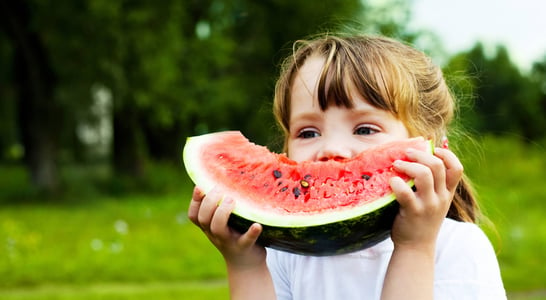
<point>106,247</point>
<point>142,246</point>
<point>141,238</point>
<point>132,291</point>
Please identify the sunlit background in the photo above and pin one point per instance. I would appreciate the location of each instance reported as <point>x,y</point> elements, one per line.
<point>98,97</point>
<point>518,25</point>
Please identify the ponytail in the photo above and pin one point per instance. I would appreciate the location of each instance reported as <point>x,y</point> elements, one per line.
<point>464,206</point>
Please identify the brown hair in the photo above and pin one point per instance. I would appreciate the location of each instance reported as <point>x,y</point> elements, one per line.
<point>391,76</point>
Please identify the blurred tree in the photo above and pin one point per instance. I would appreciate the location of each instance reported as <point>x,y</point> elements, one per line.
<point>505,100</point>
<point>8,130</point>
<point>538,77</point>
<point>463,84</point>
<point>39,114</point>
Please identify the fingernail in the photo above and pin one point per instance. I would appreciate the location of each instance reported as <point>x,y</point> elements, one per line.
<point>227,200</point>
<point>445,142</point>
<point>200,192</point>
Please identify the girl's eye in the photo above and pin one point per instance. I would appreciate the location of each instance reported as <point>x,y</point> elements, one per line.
<point>365,130</point>
<point>308,134</point>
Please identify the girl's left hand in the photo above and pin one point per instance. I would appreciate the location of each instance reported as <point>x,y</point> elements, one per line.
<point>422,212</point>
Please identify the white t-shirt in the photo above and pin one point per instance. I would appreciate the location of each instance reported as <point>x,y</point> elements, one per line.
<point>466,267</point>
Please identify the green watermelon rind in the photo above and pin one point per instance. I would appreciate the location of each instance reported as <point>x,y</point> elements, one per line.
<point>335,238</point>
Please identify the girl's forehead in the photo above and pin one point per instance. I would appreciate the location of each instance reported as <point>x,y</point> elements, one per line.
<point>304,93</point>
<point>307,77</point>
<point>327,82</point>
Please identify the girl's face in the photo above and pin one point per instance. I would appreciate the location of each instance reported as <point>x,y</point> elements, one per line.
<point>338,132</point>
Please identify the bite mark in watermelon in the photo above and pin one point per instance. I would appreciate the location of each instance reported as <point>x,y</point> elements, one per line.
<point>312,208</point>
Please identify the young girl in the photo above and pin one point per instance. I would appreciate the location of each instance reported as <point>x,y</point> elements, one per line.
<point>335,97</point>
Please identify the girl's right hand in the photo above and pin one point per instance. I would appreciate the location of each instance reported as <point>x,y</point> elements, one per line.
<point>211,213</point>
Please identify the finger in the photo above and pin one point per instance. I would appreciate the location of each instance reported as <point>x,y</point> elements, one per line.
<point>454,167</point>
<point>404,194</point>
<point>218,225</point>
<point>250,237</point>
<point>195,204</point>
<point>198,194</point>
<point>207,209</point>
<point>435,164</point>
<point>421,175</point>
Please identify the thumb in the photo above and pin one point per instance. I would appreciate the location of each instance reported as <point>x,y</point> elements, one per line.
<point>250,237</point>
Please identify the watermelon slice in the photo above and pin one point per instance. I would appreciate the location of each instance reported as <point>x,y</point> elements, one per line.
<point>312,208</point>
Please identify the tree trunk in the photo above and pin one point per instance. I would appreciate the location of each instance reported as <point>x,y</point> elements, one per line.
<point>165,143</point>
<point>128,153</point>
<point>39,116</point>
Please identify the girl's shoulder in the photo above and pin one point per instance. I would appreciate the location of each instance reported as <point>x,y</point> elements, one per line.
<point>461,233</point>
<point>466,258</point>
<point>465,244</point>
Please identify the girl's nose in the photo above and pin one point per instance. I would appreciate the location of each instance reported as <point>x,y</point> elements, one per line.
<point>334,151</point>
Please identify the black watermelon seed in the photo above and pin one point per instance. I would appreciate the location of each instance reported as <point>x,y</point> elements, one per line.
<point>366,176</point>
<point>277,174</point>
<point>296,192</point>
<point>307,177</point>
<point>284,189</point>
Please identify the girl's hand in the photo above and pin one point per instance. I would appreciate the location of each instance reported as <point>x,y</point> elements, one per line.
<point>423,211</point>
<point>240,251</point>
